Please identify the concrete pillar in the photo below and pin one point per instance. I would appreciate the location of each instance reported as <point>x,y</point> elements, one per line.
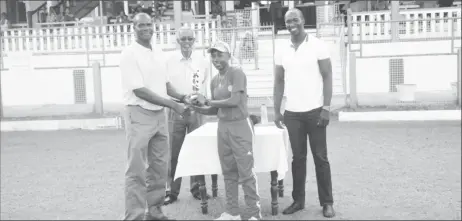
<point>3,7</point>
<point>95,13</point>
<point>126,10</point>
<point>98,91</point>
<point>1,103</point>
<point>291,4</point>
<point>353,102</point>
<point>326,12</point>
<point>255,14</point>
<point>394,17</point>
<point>29,11</point>
<point>207,9</point>
<point>194,7</point>
<point>229,5</point>
<point>459,77</point>
<point>177,13</point>
<point>101,14</point>
<point>30,23</point>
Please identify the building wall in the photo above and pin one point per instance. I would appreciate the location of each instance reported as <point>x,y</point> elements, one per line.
<point>33,80</point>
<point>428,73</point>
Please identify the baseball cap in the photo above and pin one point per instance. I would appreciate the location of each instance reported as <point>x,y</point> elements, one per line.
<point>219,46</point>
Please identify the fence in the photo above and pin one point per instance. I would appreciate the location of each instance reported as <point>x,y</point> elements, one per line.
<point>334,35</point>
<point>243,17</point>
<point>413,24</point>
<point>61,83</point>
<point>92,38</point>
<point>252,49</point>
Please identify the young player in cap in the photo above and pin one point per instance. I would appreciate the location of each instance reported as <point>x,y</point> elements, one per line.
<point>235,132</point>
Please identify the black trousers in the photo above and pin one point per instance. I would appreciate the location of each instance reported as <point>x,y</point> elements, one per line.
<point>300,126</point>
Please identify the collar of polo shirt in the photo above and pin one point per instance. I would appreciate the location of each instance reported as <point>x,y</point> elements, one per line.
<point>182,58</point>
<point>186,59</point>
<point>292,44</point>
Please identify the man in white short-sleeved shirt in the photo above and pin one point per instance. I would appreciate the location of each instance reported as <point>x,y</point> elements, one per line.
<point>304,73</point>
<point>145,93</point>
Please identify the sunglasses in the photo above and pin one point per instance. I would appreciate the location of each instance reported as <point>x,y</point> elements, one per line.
<point>187,39</point>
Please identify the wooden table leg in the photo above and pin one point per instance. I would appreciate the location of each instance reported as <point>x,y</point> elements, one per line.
<point>203,192</point>
<point>274,193</point>
<point>281,188</point>
<point>214,186</point>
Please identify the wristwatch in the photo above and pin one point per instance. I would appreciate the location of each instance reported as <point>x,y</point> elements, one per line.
<point>327,108</point>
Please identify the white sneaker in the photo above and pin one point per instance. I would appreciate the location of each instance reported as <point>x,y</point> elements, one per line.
<point>227,216</point>
<point>253,218</point>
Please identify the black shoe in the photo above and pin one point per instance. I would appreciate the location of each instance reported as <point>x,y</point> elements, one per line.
<point>328,211</point>
<point>296,206</point>
<point>170,199</point>
<point>197,196</point>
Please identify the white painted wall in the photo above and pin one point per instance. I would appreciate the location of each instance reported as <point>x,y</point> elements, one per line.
<point>55,86</point>
<point>429,73</point>
<point>407,48</point>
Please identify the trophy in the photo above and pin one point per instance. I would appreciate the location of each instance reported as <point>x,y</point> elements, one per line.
<point>195,82</point>
<point>195,88</point>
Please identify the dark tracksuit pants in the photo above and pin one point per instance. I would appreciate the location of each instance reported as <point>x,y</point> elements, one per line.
<point>299,126</point>
<point>235,150</point>
<point>178,129</point>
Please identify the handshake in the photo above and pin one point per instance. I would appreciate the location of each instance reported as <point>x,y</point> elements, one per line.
<point>190,103</point>
<point>195,99</point>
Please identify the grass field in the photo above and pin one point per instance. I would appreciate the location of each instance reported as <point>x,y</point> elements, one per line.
<point>379,171</point>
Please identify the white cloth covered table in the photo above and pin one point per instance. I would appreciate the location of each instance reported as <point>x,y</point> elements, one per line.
<point>199,153</point>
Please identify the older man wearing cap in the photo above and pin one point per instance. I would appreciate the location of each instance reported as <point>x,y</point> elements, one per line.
<point>235,133</point>
<point>187,72</point>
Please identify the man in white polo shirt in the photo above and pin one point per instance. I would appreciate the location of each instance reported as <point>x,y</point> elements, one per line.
<point>304,73</point>
<point>187,70</point>
<point>146,90</point>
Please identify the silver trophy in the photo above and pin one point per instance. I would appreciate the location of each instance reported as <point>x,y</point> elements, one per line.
<point>195,87</point>
<point>195,82</point>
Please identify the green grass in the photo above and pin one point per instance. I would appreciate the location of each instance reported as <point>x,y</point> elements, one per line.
<point>379,171</point>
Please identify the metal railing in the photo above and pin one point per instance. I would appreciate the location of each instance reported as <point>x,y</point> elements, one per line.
<point>90,37</point>
<point>404,30</point>
<point>252,49</point>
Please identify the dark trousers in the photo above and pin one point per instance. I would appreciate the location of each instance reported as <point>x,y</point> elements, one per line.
<point>178,129</point>
<point>301,125</point>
